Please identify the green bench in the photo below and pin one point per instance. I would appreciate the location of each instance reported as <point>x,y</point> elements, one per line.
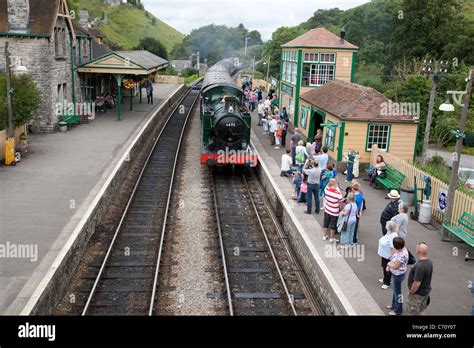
<point>70,119</point>
<point>393,180</point>
<point>464,230</point>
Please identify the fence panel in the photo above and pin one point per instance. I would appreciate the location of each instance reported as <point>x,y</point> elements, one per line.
<point>462,202</point>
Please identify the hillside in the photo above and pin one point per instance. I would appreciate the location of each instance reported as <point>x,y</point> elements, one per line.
<point>128,24</point>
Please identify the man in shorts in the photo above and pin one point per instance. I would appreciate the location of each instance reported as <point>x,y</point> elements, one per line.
<point>419,282</point>
<point>332,203</point>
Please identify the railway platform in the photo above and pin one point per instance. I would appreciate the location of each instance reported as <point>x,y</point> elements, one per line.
<point>355,277</point>
<point>46,196</point>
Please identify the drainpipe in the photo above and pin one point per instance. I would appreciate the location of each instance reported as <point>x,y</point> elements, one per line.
<point>80,49</point>
<point>73,57</point>
<point>90,49</point>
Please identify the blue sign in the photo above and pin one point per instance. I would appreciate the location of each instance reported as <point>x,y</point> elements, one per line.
<point>442,200</point>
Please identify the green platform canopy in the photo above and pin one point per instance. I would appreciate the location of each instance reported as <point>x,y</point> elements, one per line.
<point>123,64</point>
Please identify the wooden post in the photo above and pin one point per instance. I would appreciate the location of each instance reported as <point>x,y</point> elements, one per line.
<point>119,79</point>
<point>429,120</point>
<point>457,155</point>
<point>140,86</point>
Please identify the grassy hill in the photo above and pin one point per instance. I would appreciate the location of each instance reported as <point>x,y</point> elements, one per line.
<point>128,24</point>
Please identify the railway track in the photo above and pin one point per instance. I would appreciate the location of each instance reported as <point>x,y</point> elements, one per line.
<point>127,279</point>
<point>262,276</point>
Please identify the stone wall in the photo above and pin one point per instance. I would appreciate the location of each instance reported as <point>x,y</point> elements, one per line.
<point>18,15</point>
<point>38,55</point>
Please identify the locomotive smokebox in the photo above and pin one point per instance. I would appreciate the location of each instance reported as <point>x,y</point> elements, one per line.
<point>229,129</point>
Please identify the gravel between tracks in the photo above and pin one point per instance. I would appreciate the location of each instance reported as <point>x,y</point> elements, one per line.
<point>195,274</point>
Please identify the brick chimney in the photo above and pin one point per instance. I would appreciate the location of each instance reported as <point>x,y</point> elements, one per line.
<point>18,15</point>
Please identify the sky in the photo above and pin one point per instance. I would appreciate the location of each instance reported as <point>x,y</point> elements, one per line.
<point>261,15</point>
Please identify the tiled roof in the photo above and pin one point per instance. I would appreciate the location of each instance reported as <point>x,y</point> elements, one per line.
<point>99,50</point>
<point>320,37</point>
<point>350,101</point>
<point>143,58</point>
<point>43,15</point>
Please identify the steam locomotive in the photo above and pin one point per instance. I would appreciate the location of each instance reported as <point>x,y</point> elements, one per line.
<point>225,119</point>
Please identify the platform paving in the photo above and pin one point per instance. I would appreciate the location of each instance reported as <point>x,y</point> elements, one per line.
<point>44,194</point>
<point>450,294</point>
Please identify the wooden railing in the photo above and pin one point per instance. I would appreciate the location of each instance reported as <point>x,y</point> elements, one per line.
<point>462,202</point>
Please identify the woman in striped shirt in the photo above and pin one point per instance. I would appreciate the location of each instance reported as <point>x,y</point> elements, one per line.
<point>332,208</point>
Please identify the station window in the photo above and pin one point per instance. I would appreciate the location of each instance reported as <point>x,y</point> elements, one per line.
<point>317,74</point>
<point>378,134</point>
<point>311,57</point>
<point>305,113</point>
<point>294,73</point>
<point>327,58</point>
<point>330,135</point>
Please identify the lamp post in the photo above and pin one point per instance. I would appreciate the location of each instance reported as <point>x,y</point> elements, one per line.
<point>459,134</point>
<point>267,63</point>
<point>434,70</point>
<point>9,91</point>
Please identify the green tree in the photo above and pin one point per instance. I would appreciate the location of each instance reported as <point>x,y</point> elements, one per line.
<point>215,42</point>
<point>254,38</point>
<point>330,19</point>
<point>154,46</point>
<point>415,89</point>
<point>26,99</point>
<point>426,27</point>
<point>272,48</point>
<point>189,72</point>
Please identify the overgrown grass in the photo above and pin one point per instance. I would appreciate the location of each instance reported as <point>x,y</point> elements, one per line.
<point>190,79</point>
<point>128,24</point>
<point>437,168</point>
<point>466,150</point>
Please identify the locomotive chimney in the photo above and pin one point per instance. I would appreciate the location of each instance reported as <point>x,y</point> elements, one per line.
<point>18,15</point>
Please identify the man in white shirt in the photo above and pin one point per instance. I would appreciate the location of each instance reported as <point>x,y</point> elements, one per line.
<point>323,158</point>
<point>267,103</point>
<point>286,163</point>
<point>261,112</point>
<point>273,128</point>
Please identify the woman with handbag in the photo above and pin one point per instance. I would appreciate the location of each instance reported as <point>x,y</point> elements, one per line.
<point>401,221</point>
<point>350,212</point>
<point>398,267</point>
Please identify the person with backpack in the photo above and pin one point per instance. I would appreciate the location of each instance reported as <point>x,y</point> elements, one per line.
<point>300,155</point>
<point>295,139</point>
<point>350,212</point>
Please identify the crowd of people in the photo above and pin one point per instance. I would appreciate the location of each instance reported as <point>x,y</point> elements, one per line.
<point>316,184</point>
